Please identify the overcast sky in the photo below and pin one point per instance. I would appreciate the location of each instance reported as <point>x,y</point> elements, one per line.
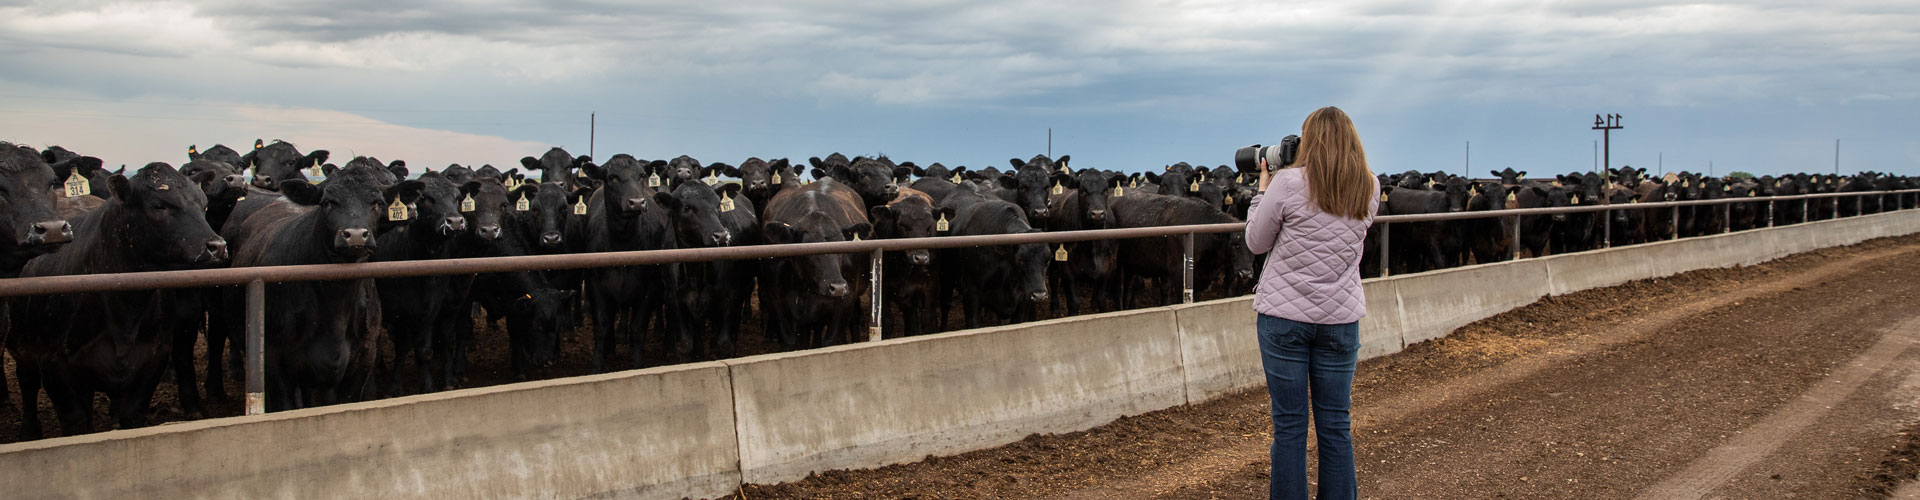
<point>1764,86</point>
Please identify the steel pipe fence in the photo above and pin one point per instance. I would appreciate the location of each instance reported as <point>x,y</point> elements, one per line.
<point>256,278</point>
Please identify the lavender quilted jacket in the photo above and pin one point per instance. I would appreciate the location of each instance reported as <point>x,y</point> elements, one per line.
<point>1313,257</point>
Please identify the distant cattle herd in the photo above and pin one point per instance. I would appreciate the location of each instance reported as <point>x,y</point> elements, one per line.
<point>327,342</point>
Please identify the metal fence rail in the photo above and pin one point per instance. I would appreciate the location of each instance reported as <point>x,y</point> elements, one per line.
<point>256,278</point>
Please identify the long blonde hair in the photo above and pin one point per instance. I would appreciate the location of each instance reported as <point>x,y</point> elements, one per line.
<point>1338,180</point>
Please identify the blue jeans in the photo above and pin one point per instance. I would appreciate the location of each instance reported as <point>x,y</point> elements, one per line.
<point>1307,361</point>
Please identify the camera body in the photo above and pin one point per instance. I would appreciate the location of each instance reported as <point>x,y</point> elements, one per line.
<point>1281,155</point>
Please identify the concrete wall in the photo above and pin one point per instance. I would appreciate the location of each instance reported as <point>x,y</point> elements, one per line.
<point>698,430</point>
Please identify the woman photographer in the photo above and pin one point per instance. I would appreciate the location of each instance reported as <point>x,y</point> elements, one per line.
<point>1310,221</point>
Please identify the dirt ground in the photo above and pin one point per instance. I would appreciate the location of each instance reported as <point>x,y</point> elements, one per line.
<point>489,360</point>
<point>1792,379</point>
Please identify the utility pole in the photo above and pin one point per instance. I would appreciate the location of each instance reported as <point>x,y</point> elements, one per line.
<point>1663,163</point>
<point>1606,126</point>
<point>1469,173</point>
<point>1049,142</point>
<point>593,129</point>
<point>1836,157</point>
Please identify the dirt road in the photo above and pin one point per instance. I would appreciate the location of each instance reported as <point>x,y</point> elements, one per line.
<point>1798,378</point>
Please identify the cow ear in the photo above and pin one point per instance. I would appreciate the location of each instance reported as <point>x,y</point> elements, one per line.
<point>779,164</point>
<point>1152,177</point>
<point>406,192</point>
<point>528,190</point>
<point>593,171</point>
<point>399,171</point>
<point>843,173</point>
<point>818,173</point>
<point>881,213</point>
<point>857,229</point>
<point>315,156</point>
<point>1008,181</point>
<point>1063,160</point>
<point>1496,173</point>
<point>470,188</point>
<point>816,162</point>
<point>300,191</point>
<point>530,162</point>
<point>903,174</point>
<point>120,188</point>
<point>523,304</point>
<point>329,169</point>
<point>730,190</point>
<point>511,173</point>
<point>777,232</point>
<point>947,212</point>
<point>918,171</point>
<point>1016,163</point>
<point>202,176</point>
<point>729,170</point>
<point>1116,180</point>
<point>1540,191</point>
<point>666,199</point>
<point>655,167</point>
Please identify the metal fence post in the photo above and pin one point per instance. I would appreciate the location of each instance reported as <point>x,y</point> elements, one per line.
<point>1726,222</point>
<point>256,347</point>
<point>1516,238</point>
<point>1674,228</point>
<point>1805,213</point>
<point>1606,228</point>
<point>1384,234</point>
<point>1186,271</point>
<point>1770,204</point>
<point>1836,207</point>
<point>879,319</point>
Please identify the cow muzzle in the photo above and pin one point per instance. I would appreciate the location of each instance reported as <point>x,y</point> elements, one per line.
<point>1097,215</point>
<point>836,289</point>
<point>633,205</point>
<point>354,238</point>
<point>215,252</point>
<point>235,181</point>
<point>720,238</point>
<point>488,232</point>
<point>48,233</point>
<point>1039,213</point>
<point>551,239</point>
<point>263,181</point>
<point>452,225</point>
<point>919,257</point>
<point>1040,296</point>
<point>1246,274</point>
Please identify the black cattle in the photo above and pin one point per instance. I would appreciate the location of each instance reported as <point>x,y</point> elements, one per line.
<point>710,297</point>
<point>1581,229</point>
<point>535,322</point>
<point>554,166</point>
<point>1746,215</point>
<point>28,225</point>
<point>1007,280</point>
<point>684,168</point>
<point>911,278</point>
<point>220,153</point>
<point>280,161</point>
<point>871,178</point>
<point>1084,204</point>
<point>1509,176</point>
<point>1656,223</point>
<point>1422,246</point>
<point>1487,239</point>
<point>1159,259</point>
<point>1536,230</point>
<point>762,179</point>
<point>223,187</point>
<point>535,226</point>
<point>1710,219</point>
<point>938,187</point>
<point>1625,219</point>
<point>1030,182</point>
<point>622,216</point>
<point>813,300</point>
<point>115,343</point>
<point>420,312</point>
<point>317,333</point>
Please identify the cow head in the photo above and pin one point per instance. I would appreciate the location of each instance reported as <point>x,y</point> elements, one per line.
<point>871,178</point>
<point>910,217</point>
<point>682,169</point>
<point>163,218</point>
<point>1459,192</point>
<point>221,153</point>
<point>759,178</point>
<point>1030,182</point>
<point>694,208</point>
<point>1030,263</point>
<point>555,166</point>
<point>623,184</point>
<point>1093,187</point>
<point>218,180</point>
<point>349,205</point>
<point>487,214</point>
<point>30,186</point>
<point>1487,196</point>
<point>822,275</point>
<point>279,161</point>
<point>1240,259</point>
<point>1622,196</point>
<point>1509,175</point>
<point>437,211</point>
<point>545,220</point>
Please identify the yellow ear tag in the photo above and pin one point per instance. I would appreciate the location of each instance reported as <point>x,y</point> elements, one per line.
<point>1726,189</point>
<point>1513,197</point>
<point>1521,177</point>
<point>1194,186</point>
<point>193,150</point>
<point>1119,191</point>
<point>1751,194</point>
<point>466,204</point>
<point>1060,255</point>
<point>580,207</point>
<point>398,211</point>
<point>941,225</point>
<point>258,143</point>
<point>316,172</point>
<point>77,186</point>
<point>522,205</point>
<point>1576,199</point>
<point>1229,200</point>
<point>726,202</point>
<point>956,178</point>
<point>856,236</point>
<point>1685,183</point>
<point>1057,189</point>
<point>1383,197</point>
<point>653,180</point>
<point>713,178</point>
<point>1134,183</point>
<point>1633,200</point>
<point>1429,183</point>
<point>776,178</point>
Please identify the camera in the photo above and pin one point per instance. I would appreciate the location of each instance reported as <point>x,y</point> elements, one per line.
<point>1280,155</point>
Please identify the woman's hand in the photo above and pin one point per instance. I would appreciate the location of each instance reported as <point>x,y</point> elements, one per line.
<point>1266,175</point>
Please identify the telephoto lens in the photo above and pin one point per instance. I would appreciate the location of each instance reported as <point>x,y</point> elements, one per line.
<point>1247,159</point>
